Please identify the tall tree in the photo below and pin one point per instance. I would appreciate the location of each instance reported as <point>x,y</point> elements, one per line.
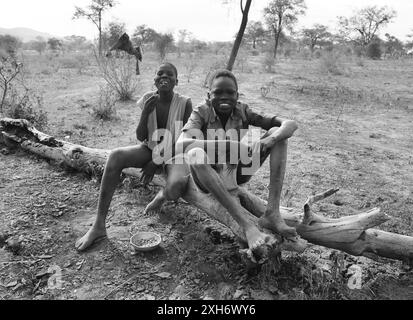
<point>282,14</point>
<point>10,44</point>
<point>393,46</point>
<point>73,42</point>
<point>163,42</point>
<point>39,45</point>
<point>237,43</point>
<point>316,35</point>
<point>363,26</point>
<point>143,34</point>
<point>254,32</point>
<point>409,43</point>
<point>183,36</point>
<point>94,12</point>
<point>54,44</point>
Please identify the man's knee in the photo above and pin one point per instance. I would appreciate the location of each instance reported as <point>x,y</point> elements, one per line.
<point>115,160</point>
<point>197,158</point>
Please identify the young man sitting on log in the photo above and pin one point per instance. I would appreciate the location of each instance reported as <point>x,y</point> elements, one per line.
<point>163,109</point>
<point>219,125</point>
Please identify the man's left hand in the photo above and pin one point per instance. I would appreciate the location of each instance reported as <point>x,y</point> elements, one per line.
<point>266,144</point>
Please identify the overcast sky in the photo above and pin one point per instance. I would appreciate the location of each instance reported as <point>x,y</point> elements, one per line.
<point>208,20</point>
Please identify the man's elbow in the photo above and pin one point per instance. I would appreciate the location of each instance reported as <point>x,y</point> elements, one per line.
<point>183,144</point>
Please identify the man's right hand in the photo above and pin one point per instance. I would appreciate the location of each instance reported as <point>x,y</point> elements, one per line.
<point>150,104</point>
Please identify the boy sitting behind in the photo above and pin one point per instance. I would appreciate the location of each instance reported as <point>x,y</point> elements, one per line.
<point>163,109</point>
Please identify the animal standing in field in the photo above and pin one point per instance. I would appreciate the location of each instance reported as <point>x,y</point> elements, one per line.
<point>124,44</point>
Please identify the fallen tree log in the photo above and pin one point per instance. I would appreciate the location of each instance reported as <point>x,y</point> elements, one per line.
<point>351,234</point>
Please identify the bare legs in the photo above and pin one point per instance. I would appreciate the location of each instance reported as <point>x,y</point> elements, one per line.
<point>272,217</point>
<point>211,181</point>
<point>176,184</point>
<point>119,159</point>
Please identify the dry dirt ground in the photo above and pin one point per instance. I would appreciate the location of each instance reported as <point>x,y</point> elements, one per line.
<point>356,133</point>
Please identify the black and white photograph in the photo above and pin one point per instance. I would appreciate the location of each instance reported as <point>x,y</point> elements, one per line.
<point>205,156</point>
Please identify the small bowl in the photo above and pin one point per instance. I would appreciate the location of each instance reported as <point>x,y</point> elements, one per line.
<point>145,241</point>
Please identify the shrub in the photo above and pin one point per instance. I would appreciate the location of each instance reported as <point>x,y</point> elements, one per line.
<point>268,62</point>
<point>288,52</point>
<point>17,101</point>
<point>255,53</point>
<point>360,62</point>
<point>359,51</point>
<point>304,53</point>
<point>27,105</point>
<point>105,109</point>
<point>119,73</point>
<point>330,63</point>
<point>317,54</point>
<point>374,51</point>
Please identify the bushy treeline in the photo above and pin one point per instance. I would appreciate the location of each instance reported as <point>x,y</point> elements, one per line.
<point>276,32</point>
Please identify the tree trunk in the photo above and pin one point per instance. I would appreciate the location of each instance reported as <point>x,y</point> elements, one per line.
<point>277,39</point>
<point>100,33</point>
<point>4,96</point>
<point>351,234</point>
<point>240,34</point>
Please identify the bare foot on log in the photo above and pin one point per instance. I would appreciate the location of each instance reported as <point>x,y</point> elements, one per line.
<point>156,203</point>
<point>278,225</point>
<point>257,243</point>
<point>92,236</point>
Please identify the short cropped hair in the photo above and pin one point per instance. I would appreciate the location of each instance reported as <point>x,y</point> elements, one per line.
<point>223,73</point>
<point>172,66</point>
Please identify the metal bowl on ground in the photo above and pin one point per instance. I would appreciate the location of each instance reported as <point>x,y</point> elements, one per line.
<point>145,241</point>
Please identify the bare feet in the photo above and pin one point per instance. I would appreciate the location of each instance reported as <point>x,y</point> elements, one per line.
<point>257,242</point>
<point>156,203</point>
<point>278,225</point>
<point>92,236</point>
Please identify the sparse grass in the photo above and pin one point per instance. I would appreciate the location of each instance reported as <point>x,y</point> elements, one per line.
<point>360,62</point>
<point>27,105</point>
<point>330,62</point>
<point>80,126</point>
<point>191,62</point>
<point>106,105</point>
<point>76,61</point>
